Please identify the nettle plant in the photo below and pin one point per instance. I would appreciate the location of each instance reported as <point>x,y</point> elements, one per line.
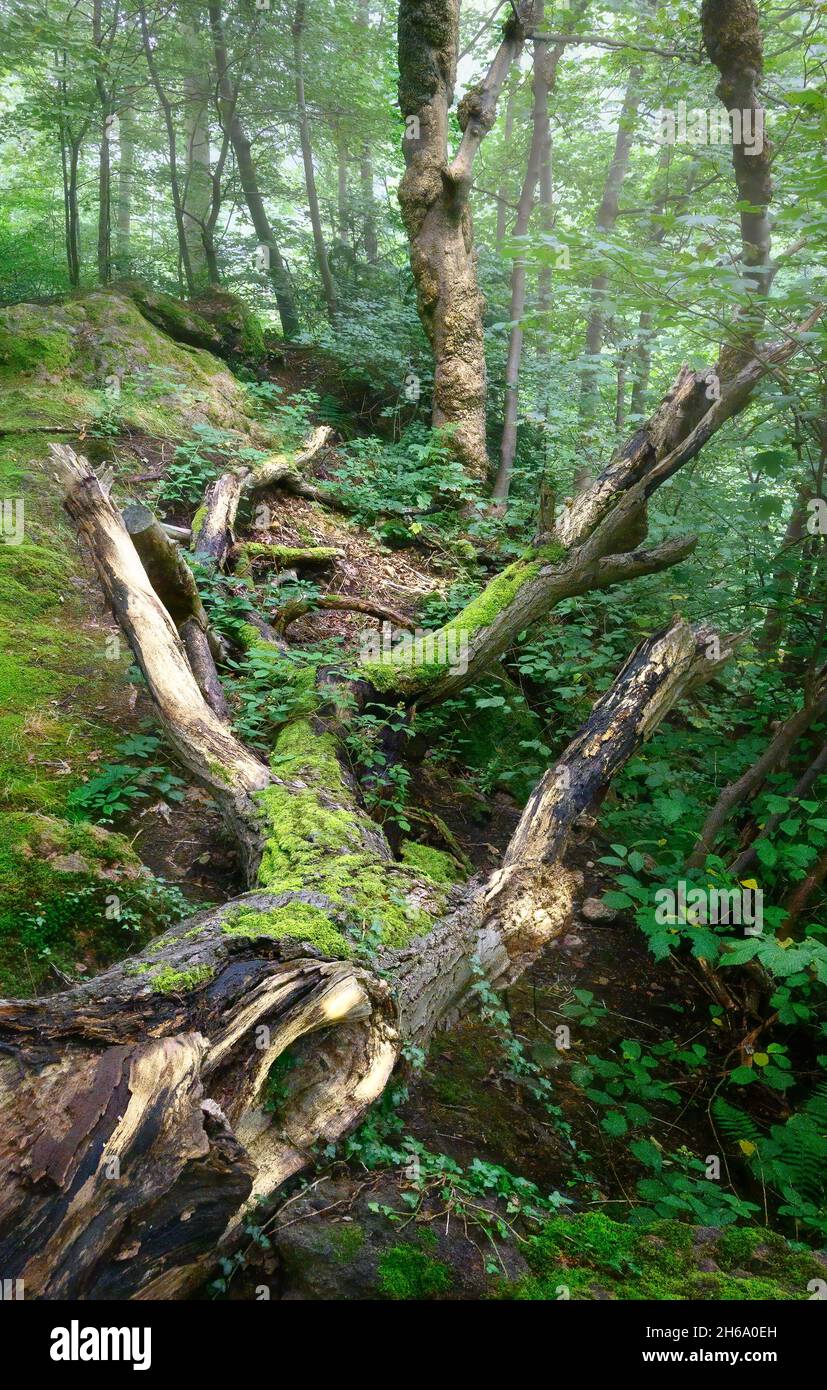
<point>404,487</point>
<point>120,787</point>
<point>198,461</point>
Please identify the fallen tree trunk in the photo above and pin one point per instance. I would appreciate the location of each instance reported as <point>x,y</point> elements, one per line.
<point>134,1133</point>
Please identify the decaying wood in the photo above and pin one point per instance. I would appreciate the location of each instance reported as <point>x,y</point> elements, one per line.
<point>174,583</point>
<point>133,1133</point>
<point>202,741</point>
<point>213,536</point>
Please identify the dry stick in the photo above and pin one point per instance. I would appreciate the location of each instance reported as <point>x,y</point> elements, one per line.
<point>753,779</point>
<point>341,603</point>
<point>747,857</point>
<point>801,895</point>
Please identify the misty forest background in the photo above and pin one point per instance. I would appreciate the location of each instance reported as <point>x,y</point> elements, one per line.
<point>183,179</point>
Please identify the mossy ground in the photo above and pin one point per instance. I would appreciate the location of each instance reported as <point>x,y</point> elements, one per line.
<point>71,895</point>
<point>96,363</point>
<point>61,687</point>
<point>590,1256</point>
<point>408,1273</point>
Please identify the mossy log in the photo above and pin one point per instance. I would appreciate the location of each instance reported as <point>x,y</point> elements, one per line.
<point>133,1131</point>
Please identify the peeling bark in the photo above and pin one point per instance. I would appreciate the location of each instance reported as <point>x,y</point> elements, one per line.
<point>433,196</point>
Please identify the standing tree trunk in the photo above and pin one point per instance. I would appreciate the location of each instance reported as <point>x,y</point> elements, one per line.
<point>508,133</point>
<point>277,270</point>
<point>545,77</point>
<point>733,40</point>
<point>104,158</point>
<point>342,201</point>
<point>198,184</point>
<point>69,154</point>
<point>126,164</point>
<point>368,207</point>
<point>172,147</point>
<point>605,222</point>
<point>307,160</point>
<point>434,197</point>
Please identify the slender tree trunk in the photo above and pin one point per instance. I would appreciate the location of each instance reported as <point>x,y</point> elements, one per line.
<point>545,76</point>
<point>307,160</point>
<point>69,154</point>
<point>368,207</point>
<point>605,222</point>
<point>642,350</point>
<point>166,108</point>
<point>342,198</point>
<point>198,184</point>
<point>104,156</point>
<point>508,133</point>
<point>104,201</point>
<point>277,270</point>
<point>620,400</point>
<point>785,572</point>
<point>126,164</point>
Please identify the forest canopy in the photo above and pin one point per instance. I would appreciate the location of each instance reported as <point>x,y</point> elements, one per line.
<point>413,650</point>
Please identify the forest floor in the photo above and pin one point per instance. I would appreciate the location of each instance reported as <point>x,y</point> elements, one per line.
<point>360,1226</point>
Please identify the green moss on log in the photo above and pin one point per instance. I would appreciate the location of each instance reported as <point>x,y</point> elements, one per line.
<point>320,839</point>
<point>405,674</point>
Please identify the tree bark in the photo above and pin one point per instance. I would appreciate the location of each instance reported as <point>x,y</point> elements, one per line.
<point>433,196</point>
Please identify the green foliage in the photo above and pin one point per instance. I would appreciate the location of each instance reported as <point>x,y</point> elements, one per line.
<point>119,787</point>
